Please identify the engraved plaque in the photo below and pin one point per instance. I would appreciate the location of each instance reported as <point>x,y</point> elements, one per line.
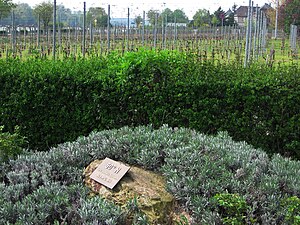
<point>109,172</point>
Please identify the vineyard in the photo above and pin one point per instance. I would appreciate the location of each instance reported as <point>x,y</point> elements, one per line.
<point>222,44</point>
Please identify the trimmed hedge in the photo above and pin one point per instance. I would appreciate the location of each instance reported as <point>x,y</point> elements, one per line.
<point>56,101</point>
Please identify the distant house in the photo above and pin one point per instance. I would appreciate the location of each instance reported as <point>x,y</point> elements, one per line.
<point>3,30</point>
<point>176,24</point>
<point>241,14</point>
<point>228,13</point>
<point>123,22</point>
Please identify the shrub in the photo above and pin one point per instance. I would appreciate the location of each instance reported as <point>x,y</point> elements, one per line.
<point>10,144</point>
<point>232,208</point>
<point>98,211</point>
<point>291,206</point>
<point>198,168</point>
<point>57,101</point>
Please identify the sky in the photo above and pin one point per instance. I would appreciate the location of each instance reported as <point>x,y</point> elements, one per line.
<point>119,8</point>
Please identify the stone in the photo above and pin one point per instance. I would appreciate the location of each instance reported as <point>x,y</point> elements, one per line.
<point>146,186</point>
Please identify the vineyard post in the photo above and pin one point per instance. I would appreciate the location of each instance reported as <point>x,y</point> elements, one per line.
<point>143,29</point>
<point>247,35</point>
<point>39,32</point>
<point>114,37</point>
<point>76,38</point>
<point>84,26</point>
<point>264,32</point>
<point>108,28</point>
<point>47,36</point>
<point>101,41</point>
<point>54,29</point>
<point>155,30</point>
<point>123,29</point>
<point>91,35</point>
<point>13,40</point>
<point>293,38</point>
<point>175,31</point>
<point>24,33</point>
<point>261,35</point>
<point>238,31</point>
<point>69,32</point>
<point>166,32</point>
<point>276,19</point>
<point>255,33</point>
<point>162,31</point>
<point>128,28</point>
<point>59,31</point>
<point>32,31</point>
<point>250,32</point>
<point>227,37</point>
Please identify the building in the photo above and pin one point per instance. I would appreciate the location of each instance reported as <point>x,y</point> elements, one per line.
<point>3,30</point>
<point>241,14</point>
<point>123,22</point>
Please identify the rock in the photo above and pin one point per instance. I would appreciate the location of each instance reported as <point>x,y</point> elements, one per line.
<point>146,186</point>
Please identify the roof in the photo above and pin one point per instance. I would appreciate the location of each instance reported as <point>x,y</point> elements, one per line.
<point>228,12</point>
<point>266,6</point>
<point>242,11</point>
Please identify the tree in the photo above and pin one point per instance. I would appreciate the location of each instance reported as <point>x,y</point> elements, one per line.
<point>138,21</point>
<point>234,7</point>
<point>63,15</point>
<point>5,7</point>
<point>24,14</point>
<point>229,20</point>
<point>201,18</point>
<point>214,20</point>
<point>220,16</point>
<point>229,16</point>
<point>151,14</point>
<point>289,13</point>
<point>44,10</point>
<point>167,15</point>
<point>271,14</point>
<point>180,16</point>
<point>97,16</point>
<point>271,17</point>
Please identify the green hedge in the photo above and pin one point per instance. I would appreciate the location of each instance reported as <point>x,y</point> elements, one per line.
<point>56,101</point>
